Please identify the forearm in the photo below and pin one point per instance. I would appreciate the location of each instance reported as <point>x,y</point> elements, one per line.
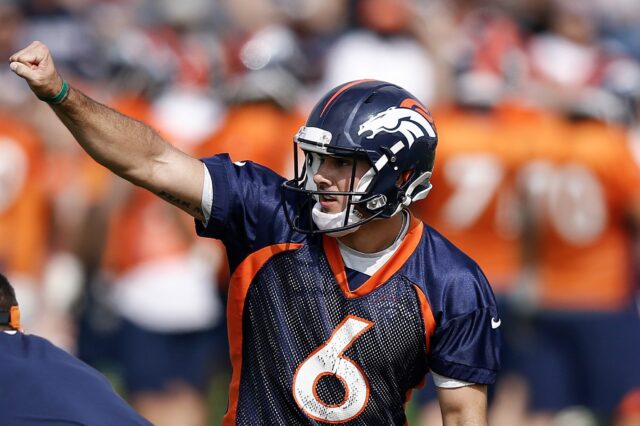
<point>127,147</point>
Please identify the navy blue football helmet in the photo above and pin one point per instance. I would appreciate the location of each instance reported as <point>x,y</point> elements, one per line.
<point>377,121</point>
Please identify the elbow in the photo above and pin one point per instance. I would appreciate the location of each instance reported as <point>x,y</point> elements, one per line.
<point>465,406</point>
<point>140,174</point>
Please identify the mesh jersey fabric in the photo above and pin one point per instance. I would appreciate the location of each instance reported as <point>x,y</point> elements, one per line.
<point>392,354</point>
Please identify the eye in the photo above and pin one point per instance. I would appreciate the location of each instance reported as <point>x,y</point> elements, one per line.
<point>343,162</point>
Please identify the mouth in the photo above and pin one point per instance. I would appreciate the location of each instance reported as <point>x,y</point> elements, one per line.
<point>328,202</point>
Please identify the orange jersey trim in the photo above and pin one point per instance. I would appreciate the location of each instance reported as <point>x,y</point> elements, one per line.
<point>339,92</point>
<point>429,328</point>
<point>238,288</point>
<point>393,265</point>
<point>427,315</point>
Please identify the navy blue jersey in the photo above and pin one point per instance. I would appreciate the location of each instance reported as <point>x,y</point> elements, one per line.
<point>305,348</point>
<point>42,384</point>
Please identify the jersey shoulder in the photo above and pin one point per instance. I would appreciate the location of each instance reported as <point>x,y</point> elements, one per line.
<point>453,282</point>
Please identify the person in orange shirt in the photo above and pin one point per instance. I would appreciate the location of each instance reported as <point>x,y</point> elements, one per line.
<point>170,337</point>
<point>24,216</point>
<point>477,206</point>
<point>253,131</point>
<point>477,198</point>
<point>583,191</point>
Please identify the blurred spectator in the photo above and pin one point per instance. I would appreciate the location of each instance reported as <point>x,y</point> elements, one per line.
<point>475,203</point>
<point>568,64</point>
<point>262,97</point>
<point>583,190</point>
<point>171,344</point>
<point>64,27</point>
<point>24,214</point>
<point>385,44</point>
<point>11,27</point>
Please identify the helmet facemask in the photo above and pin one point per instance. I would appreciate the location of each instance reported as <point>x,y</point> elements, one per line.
<point>355,212</point>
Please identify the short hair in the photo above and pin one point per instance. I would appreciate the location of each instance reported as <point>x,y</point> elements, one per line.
<point>7,295</point>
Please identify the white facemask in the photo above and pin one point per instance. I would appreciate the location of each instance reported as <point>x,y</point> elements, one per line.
<point>326,221</point>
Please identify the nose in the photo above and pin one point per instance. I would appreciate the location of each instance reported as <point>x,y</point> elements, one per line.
<point>321,177</point>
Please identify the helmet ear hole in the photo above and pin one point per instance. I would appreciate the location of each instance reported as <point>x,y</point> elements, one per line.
<point>420,187</point>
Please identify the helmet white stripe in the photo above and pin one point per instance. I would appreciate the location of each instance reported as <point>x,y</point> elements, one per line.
<point>381,163</point>
<point>397,147</point>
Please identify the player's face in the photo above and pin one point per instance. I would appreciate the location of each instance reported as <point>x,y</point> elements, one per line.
<point>334,174</point>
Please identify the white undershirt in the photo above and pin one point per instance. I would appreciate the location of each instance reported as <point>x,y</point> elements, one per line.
<point>207,196</point>
<point>366,263</point>
<point>370,263</point>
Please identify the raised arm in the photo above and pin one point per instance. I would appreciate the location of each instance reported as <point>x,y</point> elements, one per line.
<point>127,147</point>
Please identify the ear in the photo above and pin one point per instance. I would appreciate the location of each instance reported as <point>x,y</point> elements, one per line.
<point>14,315</point>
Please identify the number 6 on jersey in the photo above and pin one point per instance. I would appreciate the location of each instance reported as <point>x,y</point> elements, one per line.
<point>328,360</point>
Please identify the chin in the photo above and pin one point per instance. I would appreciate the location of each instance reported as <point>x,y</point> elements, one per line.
<point>331,210</point>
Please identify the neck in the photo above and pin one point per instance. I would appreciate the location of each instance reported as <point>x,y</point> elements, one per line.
<point>374,236</point>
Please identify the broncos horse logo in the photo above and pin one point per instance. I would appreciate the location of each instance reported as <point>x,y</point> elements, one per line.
<point>407,121</point>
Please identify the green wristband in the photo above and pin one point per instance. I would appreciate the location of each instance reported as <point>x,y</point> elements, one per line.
<point>57,99</point>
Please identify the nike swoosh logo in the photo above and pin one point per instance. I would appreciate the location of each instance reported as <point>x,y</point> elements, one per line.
<point>240,163</point>
<point>495,323</point>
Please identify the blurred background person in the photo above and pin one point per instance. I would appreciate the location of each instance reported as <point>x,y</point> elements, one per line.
<point>583,193</point>
<point>387,41</point>
<point>582,190</point>
<point>262,96</point>
<point>486,139</point>
<point>160,284</point>
<point>24,209</point>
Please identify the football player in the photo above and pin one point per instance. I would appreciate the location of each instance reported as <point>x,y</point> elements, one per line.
<point>340,300</point>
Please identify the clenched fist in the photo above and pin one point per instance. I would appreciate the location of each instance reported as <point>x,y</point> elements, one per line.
<point>35,64</point>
